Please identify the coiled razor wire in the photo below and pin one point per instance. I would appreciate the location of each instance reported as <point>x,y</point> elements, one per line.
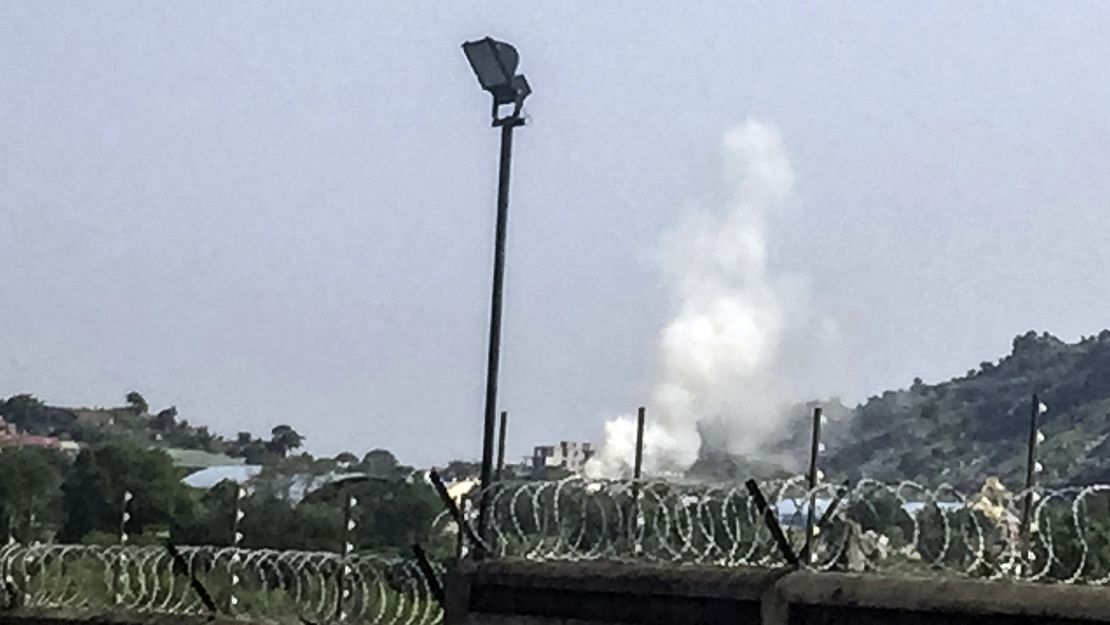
<point>872,526</point>
<point>279,586</point>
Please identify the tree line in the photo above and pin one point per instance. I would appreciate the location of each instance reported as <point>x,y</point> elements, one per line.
<point>137,423</point>
<point>48,495</point>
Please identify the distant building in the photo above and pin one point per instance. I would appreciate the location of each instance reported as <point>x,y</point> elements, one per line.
<point>519,471</point>
<point>291,487</point>
<point>98,417</point>
<point>10,436</point>
<point>197,459</point>
<point>70,447</point>
<point>208,477</point>
<point>568,455</point>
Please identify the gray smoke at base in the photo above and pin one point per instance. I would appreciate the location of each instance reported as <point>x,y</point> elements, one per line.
<point>719,353</point>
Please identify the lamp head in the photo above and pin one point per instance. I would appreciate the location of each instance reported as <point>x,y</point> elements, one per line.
<point>495,64</point>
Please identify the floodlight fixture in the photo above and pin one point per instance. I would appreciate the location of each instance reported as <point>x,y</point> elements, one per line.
<point>495,64</point>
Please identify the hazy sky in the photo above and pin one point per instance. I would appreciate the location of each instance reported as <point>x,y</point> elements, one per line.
<point>282,212</point>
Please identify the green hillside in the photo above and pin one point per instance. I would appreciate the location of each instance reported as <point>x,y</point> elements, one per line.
<point>976,426</point>
<point>969,428</point>
<point>135,424</point>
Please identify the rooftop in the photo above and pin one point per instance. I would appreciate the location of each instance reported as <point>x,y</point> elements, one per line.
<point>199,459</point>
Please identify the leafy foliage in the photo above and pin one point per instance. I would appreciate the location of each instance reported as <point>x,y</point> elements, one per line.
<point>94,491</point>
<point>284,439</point>
<point>136,401</point>
<point>45,495</point>
<point>29,491</point>
<point>135,424</point>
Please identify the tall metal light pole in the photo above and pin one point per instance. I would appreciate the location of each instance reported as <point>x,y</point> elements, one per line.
<point>495,63</point>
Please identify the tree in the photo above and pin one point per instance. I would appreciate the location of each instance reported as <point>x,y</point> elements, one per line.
<point>29,495</point>
<point>346,458</point>
<point>460,470</point>
<point>270,522</point>
<point>251,449</point>
<point>21,410</point>
<point>165,420</point>
<point>137,402</point>
<point>284,439</point>
<point>95,488</point>
<point>203,439</point>
<point>380,463</point>
<point>214,520</point>
<point>391,514</point>
<point>84,507</point>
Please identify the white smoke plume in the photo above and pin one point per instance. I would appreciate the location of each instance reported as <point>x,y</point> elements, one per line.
<point>718,354</point>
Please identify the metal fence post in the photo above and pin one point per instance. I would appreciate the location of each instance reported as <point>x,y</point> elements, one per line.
<point>1032,467</point>
<point>125,516</point>
<point>349,525</point>
<point>771,520</point>
<point>501,445</point>
<point>813,478</point>
<point>238,515</point>
<point>123,578</point>
<point>637,476</point>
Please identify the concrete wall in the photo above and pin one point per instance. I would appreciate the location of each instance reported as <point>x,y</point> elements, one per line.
<point>531,593</point>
